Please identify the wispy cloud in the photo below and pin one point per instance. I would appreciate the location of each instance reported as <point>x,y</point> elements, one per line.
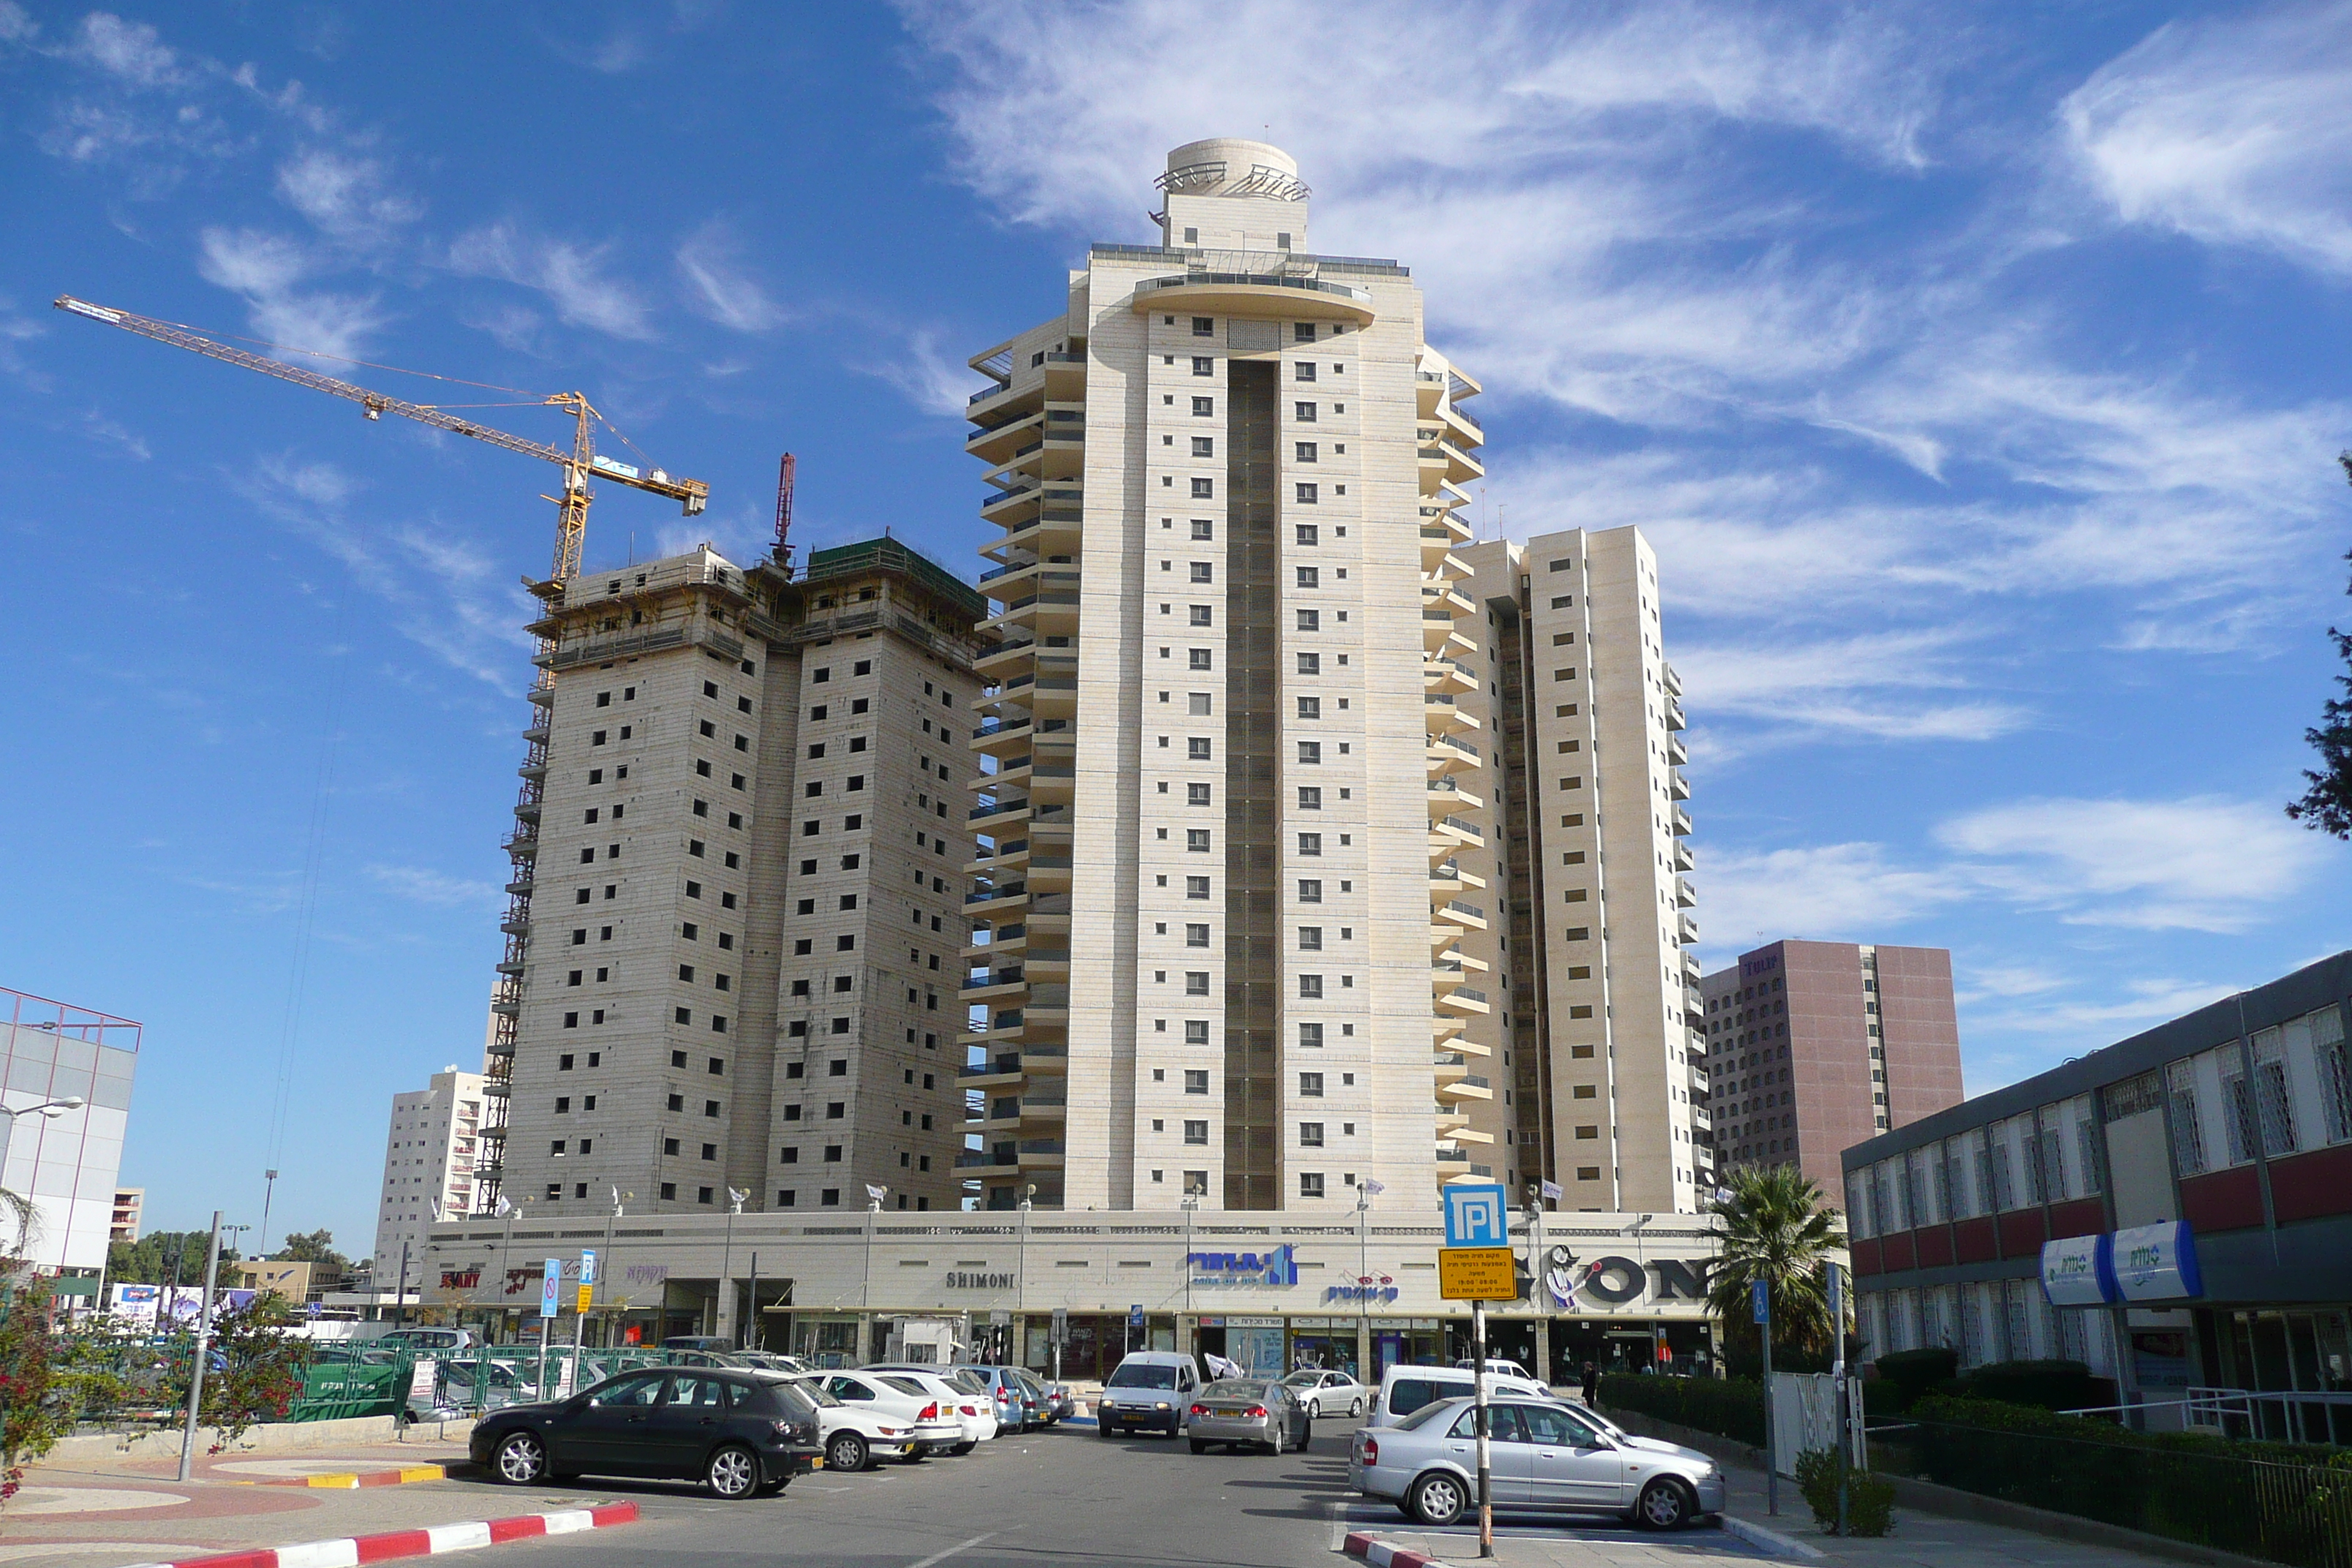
<point>423,886</point>
<point>931,379</point>
<point>132,53</point>
<point>710,261</point>
<point>574,277</point>
<point>2234,129</point>
<point>267,270</point>
<point>348,198</point>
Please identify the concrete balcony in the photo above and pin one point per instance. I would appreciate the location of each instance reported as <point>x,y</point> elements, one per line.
<point>1463,999</point>
<point>1686,896</point>
<point>1456,912</point>
<point>1678,754</point>
<point>1683,857</point>
<point>1686,930</point>
<point>1679,823</point>
<point>1470,1086</point>
<point>1674,720</point>
<point>1448,834</point>
<point>1446,678</point>
<point>1446,797</point>
<point>1677,787</point>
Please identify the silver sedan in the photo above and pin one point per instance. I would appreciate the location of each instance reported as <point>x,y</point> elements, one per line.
<point>1253,1411</point>
<point>1327,1392</point>
<point>1545,1457</point>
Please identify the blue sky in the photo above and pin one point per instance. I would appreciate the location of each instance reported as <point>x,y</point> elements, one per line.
<point>1977,374</point>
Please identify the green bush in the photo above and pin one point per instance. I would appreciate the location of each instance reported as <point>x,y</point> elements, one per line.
<point>1869,1499</point>
<point>2265,1500</point>
<point>1909,1375</point>
<point>1730,1407</point>
<point>2050,1384</point>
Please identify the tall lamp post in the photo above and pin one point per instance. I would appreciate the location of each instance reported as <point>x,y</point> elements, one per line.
<point>874,1196</point>
<point>49,1110</point>
<point>268,1192</point>
<point>735,1197</point>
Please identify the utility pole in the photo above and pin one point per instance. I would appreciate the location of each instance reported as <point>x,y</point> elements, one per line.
<point>735,1197</point>
<point>268,1192</point>
<point>400,1292</point>
<point>203,1342</point>
<point>1761,1305</point>
<point>1484,1417</point>
<point>1836,1284</point>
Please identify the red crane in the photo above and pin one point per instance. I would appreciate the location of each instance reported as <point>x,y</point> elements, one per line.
<point>784,514</point>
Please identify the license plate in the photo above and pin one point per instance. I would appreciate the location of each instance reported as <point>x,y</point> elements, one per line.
<point>1228,1413</point>
<point>817,1463</point>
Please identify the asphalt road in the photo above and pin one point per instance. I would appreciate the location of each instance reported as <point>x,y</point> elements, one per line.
<point>1063,1498</point>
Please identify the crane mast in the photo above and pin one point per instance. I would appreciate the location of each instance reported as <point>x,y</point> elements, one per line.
<point>580,462</point>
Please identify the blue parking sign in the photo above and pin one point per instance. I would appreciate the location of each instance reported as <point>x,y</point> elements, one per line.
<point>1759,1301</point>
<point>1476,1215</point>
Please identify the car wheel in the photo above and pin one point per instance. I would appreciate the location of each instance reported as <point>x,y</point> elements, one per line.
<point>1439,1499</point>
<point>1355,1406</point>
<point>1665,1504</point>
<point>521,1459</point>
<point>1306,1439</point>
<point>1103,1429</point>
<point>1314,1409</point>
<point>734,1472</point>
<point>847,1451</point>
<point>1273,1443</point>
<point>964,1447</point>
<point>1199,1446</point>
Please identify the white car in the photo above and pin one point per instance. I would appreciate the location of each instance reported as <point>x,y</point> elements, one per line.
<point>1498,1367</point>
<point>853,1433</point>
<point>935,1428</point>
<point>973,1406</point>
<point>1327,1392</point>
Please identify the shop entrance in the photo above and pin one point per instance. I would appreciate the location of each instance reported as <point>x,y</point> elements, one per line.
<point>1675,1348</point>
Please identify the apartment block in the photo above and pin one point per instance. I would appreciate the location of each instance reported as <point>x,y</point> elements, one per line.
<point>744,888</point>
<point>1815,1047</point>
<point>1227,477</point>
<point>66,1164</point>
<point>430,1152</point>
<point>1579,1041</point>
<point>128,1204</point>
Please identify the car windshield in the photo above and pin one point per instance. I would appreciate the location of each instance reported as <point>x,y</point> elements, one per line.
<point>1235,1388</point>
<point>816,1391</point>
<point>1303,1379</point>
<point>905,1384</point>
<point>1130,1375</point>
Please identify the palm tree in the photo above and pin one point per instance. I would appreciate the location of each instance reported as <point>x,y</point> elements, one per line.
<point>16,1210</point>
<point>1774,1226</point>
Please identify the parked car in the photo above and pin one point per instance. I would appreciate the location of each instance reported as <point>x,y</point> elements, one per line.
<point>1405,1389</point>
<point>1258,1413</point>
<point>1327,1392</point>
<point>426,1340</point>
<point>973,1406</point>
<point>852,1435</point>
<point>1149,1391</point>
<point>508,1384</point>
<point>703,1358</point>
<point>933,1426</point>
<point>1544,1455</point>
<point>1017,1409</point>
<point>1498,1365</point>
<point>739,1433</point>
<point>772,1361</point>
<point>697,1342</point>
<point>1062,1403</point>
<point>1041,1397</point>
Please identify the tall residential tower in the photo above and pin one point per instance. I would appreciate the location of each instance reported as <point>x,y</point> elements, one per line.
<point>741,960</point>
<point>1238,900</point>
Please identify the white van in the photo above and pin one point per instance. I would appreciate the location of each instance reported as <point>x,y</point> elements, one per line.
<point>1405,1389</point>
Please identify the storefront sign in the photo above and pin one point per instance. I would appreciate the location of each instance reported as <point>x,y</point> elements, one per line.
<point>1243,1270</point>
<point>2157,1262</point>
<point>959,1279</point>
<point>646,1273</point>
<point>1377,1289</point>
<point>1602,1284</point>
<point>2076,1271</point>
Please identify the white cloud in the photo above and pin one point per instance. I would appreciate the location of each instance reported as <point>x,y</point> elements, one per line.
<point>345,196</point>
<point>572,276</point>
<point>2232,130</point>
<point>933,380</point>
<point>427,887</point>
<point>717,286</point>
<point>267,269</point>
<point>1841,686</point>
<point>16,27</point>
<point>1825,892</point>
<point>131,52</point>
<point>2204,863</point>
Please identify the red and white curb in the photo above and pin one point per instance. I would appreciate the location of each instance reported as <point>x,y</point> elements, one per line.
<point>1381,1554</point>
<point>353,1550</point>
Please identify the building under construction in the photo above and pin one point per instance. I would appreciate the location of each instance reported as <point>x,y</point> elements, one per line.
<point>735,947</point>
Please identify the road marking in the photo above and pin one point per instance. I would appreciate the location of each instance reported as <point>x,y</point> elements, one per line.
<point>960,1546</point>
<point>1341,1508</point>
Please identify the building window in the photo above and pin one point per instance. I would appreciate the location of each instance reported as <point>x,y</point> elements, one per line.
<point>1196,1133</point>
<point>1203,488</point>
<point>1310,1184</point>
<point>1311,1086</point>
<point>1196,1031</point>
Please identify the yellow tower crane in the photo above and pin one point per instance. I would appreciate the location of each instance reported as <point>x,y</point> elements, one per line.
<point>579,465</point>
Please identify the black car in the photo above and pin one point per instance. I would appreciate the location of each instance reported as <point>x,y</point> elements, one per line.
<point>742,1432</point>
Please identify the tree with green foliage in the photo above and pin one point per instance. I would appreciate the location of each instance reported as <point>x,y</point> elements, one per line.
<point>2327,805</point>
<point>1774,1226</point>
<point>318,1247</point>
<point>30,1419</point>
<point>166,1257</point>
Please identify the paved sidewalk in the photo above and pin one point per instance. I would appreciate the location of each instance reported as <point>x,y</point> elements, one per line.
<point>1919,1540</point>
<point>125,1511</point>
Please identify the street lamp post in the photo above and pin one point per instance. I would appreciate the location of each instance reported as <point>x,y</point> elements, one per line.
<point>874,1196</point>
<point>268,1192</point>
<point>49,1110</point>
<point>735,1197</point>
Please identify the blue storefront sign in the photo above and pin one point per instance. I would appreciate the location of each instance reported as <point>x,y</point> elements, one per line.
<point>2145,1263</point>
